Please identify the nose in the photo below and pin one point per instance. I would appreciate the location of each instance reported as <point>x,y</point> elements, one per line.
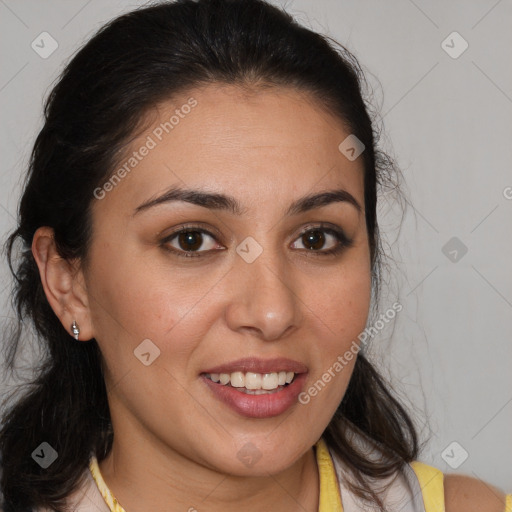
<point>265,302</point>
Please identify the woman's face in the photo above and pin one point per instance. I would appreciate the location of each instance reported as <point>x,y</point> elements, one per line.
<point>257,292</point>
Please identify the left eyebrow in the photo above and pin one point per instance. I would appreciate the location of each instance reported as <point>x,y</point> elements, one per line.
<point>215,201</point>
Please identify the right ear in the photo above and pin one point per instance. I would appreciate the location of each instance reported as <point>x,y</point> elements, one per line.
<point>63,284</point>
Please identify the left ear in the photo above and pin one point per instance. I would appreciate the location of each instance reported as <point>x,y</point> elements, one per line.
<point>63,283</point>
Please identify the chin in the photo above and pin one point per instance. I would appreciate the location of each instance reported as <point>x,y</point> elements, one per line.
<point>262,459</point>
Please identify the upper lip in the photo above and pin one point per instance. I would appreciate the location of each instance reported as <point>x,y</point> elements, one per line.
<point>256,365</point>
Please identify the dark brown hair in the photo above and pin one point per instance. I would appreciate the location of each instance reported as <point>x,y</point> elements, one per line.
<point>133,63</point>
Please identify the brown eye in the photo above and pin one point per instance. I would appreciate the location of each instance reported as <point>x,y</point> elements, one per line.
<point>188,241</point>
<point>314,240</point>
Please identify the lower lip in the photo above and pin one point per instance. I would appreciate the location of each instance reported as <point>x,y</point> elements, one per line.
<point>258,406</point>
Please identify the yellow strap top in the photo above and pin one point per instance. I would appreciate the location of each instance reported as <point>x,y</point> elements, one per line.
<point>432,486</point>
<point>330,500</point>
<point>429,478</point>
<point>109,498</point>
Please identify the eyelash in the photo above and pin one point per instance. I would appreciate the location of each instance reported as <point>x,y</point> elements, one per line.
<point>344,241</point>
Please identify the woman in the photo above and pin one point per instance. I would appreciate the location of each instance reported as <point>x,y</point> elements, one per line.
<point>201,257</point>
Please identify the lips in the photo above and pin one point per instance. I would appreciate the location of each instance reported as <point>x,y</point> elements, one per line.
<point>257,365</point>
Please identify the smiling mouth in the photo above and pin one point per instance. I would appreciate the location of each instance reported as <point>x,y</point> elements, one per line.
<point>253,383</point>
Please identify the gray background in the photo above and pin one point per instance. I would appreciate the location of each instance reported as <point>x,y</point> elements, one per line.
<point>448,122</point>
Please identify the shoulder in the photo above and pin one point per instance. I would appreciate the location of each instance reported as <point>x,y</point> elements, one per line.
<point>467,494</point>
<point>458,493</point>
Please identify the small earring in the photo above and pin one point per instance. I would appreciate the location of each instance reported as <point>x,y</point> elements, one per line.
<point>75,329</point>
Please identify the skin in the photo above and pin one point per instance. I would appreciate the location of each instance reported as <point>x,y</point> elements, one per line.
<point>174,441</point>
<point>466,494</point>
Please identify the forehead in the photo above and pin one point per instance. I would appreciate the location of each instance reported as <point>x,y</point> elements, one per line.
<point>249,143</point>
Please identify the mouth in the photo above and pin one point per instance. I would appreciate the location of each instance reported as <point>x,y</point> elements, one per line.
<point>257,388</point>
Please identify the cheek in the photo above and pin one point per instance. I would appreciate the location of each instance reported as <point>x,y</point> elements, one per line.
<point>132,301</point>
<point>340,310</point>
<point>342,303</point>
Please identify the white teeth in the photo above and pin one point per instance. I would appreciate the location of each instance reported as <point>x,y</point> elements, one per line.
<point>270,381</point>
<point>237,380</point>
<point>252,381</point>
